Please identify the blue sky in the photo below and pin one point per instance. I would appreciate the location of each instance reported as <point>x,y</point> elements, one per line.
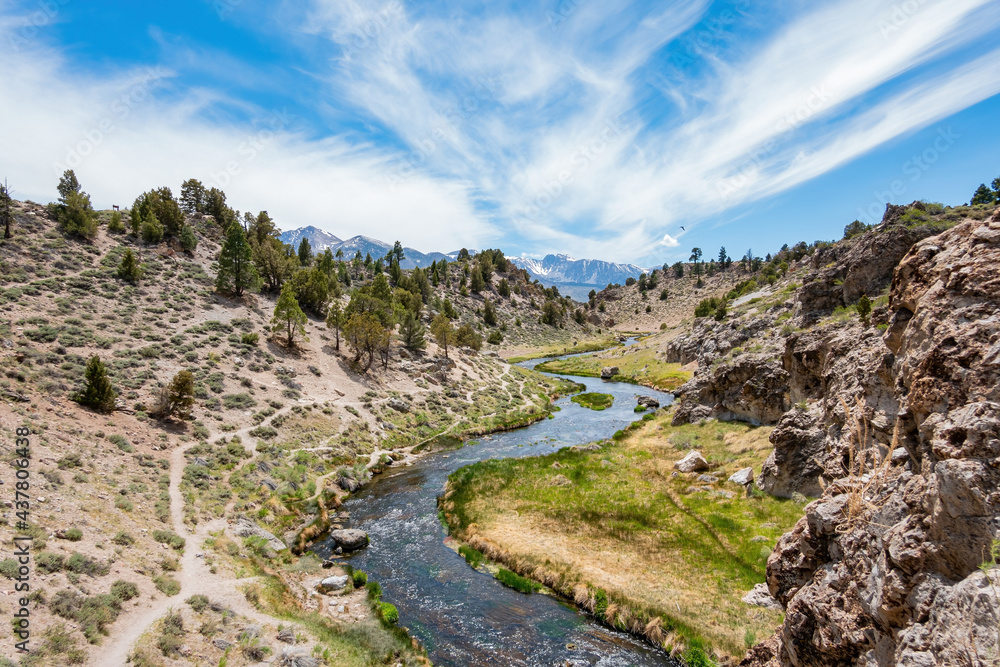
<point>597,129</point>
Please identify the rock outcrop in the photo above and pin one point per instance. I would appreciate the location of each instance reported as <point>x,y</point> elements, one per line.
<point>750,387</point>
<point>863,266</point>
<point>884,569</point>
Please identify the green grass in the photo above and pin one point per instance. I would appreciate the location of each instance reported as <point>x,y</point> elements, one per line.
<point>561,349</point>
<point>636,366</point>
<point>472,556</point>
<point>516,581</point>
<point>689,556</point>
<point>594,400</point>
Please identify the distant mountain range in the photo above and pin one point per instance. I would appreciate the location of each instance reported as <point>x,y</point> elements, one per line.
<point>320,241</point>
<point>575,277</point>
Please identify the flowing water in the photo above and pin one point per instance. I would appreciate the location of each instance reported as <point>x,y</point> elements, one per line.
<point>464,617</point>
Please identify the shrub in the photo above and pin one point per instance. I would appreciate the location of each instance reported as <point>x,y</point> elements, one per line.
<point>360,578</point>
<point>121,443</point>
<point>388,613</point>
<point>69,461</point>
<point>124,590</point>
<point>9,568</point>
<point>169,538</point>
<point>198,602</point>
<point>82,564</point>
<point>167,584</point>
<point>73,535</point>
<point>49,562</point>
<point>123,539</point>
<point>124,504</point>
<point>238,401</point>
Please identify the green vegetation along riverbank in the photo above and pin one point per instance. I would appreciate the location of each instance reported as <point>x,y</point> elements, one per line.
<point>662,554</point>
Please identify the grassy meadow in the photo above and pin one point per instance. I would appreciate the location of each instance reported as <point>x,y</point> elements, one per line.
<point>637,366</point>
<point>627,538</point>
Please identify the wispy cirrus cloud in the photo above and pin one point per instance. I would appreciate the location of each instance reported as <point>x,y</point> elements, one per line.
<point>596,129</point>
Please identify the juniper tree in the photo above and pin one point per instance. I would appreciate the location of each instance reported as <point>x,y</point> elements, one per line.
<point>335,320</point>
<point>288,317</point>
<point>177,398</point>
<point>97,392</point>
<point>129,269</point>
<point>411,332</point>
<point>444,333</point>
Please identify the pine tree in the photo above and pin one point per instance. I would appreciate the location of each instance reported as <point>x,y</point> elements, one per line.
<point>489,314</point>
<point>150,230</point>
<point>478,284</point>
<point>237,273</point>
<point>288,317</point>
<point>864,309</point>
<point>115,223</point>
<point>983,195</point>
<point>193,196</point>
<point>305,252</point>
<point>187,238</point>
<point>335,320</point>
<point>97,393</point>
<point>444,333</point>
<point>129,269</point>
<point>411,332</point>
<point>5,214</point>
<point>67,184</point>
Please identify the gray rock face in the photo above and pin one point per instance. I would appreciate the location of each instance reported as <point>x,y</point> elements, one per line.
<point>399,404</point>
<point>742,477</point>
<point>693,461</point>
<point>350,539</point>
<point>246,528</point>
<point>609,372</point>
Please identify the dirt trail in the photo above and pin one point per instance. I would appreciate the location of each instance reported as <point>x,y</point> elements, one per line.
<point>194,577</point>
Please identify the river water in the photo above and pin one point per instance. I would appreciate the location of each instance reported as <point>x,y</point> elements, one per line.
<point>464,617</point>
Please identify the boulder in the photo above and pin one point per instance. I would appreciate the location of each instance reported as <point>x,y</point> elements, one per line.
<point>742,477</point>
<point>399,405</point>
<point>759,596</point>
<point>350,539</point>
<point>609,372</point>
<point>247,528</point>
<point>692,462</point>
<point>334,583</point>
<point>648,402</point>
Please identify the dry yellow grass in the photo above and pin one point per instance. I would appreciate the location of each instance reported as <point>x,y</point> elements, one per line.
<point>673,563</point>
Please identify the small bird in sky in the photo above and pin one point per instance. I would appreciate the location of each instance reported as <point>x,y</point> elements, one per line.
<point>682,229</point>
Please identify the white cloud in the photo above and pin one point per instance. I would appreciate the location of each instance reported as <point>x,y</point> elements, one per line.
<point>122,136</point>
<point>669,241</point>
<point>572,138</point>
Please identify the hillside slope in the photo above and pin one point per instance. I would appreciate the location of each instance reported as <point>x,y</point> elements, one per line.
<point>277,437</point>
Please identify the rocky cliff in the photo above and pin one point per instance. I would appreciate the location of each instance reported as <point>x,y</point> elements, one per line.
<point>900,433</point>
